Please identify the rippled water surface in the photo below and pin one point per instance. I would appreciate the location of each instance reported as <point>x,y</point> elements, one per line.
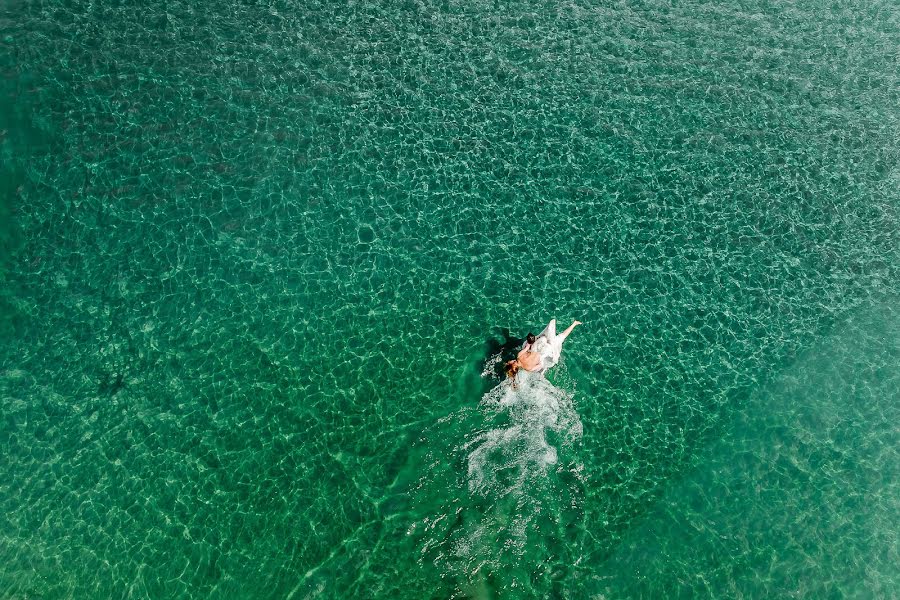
<point>259,261</point>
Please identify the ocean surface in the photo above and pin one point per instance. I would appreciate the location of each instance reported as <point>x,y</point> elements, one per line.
<point>260,260</point>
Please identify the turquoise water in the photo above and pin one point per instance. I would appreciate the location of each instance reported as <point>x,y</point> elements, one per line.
<point>257,259</point>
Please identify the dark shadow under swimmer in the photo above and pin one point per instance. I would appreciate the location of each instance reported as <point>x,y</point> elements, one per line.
<point>507,349</point>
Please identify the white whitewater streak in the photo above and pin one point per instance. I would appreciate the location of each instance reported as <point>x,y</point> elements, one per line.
<point>510,466</point>
<point>502,460</point>
<point>518,482</point>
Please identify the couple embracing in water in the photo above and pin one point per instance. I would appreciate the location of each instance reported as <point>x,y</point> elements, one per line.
<point>540,352</point>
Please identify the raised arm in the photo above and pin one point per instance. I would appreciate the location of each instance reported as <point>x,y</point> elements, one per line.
<point>562,337</point>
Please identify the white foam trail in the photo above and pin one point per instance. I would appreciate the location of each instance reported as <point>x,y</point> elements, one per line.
<point>509,465</point>
<point>502,459</point>
<point>513,481</point>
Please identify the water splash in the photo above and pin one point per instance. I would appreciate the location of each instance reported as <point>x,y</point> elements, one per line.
<point>515,485</point>
<point>504,459</point>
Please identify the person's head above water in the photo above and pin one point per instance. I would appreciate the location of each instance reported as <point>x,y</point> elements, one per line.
<point>512,367</point>
<point>530,338</point>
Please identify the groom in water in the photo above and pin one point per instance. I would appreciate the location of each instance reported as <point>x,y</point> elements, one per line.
<point>530,358</point>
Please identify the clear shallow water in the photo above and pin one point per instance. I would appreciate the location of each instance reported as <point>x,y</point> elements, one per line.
<point>252,255</point>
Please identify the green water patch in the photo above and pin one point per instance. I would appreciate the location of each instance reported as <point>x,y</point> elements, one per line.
<point>23,133</point>
<point>798,496</point>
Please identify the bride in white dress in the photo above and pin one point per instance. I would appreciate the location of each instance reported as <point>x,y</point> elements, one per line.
<point>544,353</point>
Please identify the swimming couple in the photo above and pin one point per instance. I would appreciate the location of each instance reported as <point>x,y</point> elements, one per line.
<point>540,352</point>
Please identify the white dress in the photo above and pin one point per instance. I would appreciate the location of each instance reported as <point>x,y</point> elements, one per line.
<point>549,346</point>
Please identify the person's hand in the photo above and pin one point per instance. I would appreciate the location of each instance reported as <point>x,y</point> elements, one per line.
<point>577,323</point>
